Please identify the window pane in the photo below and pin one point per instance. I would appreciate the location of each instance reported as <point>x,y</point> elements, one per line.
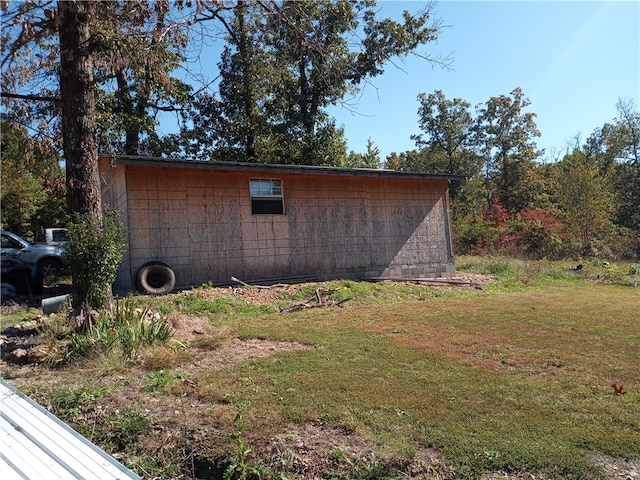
<point>270,207</point>
<point>265,188</point>
<point>266,196</point>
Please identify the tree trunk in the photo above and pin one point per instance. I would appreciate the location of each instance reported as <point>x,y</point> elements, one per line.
<point>248,100</point>
<point>132,131</point>
<point>78,107</point>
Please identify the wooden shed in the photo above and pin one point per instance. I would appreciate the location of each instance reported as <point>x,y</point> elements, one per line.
<point>209,221</point>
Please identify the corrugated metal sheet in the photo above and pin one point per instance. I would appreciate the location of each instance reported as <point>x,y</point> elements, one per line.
<point>36,445</point>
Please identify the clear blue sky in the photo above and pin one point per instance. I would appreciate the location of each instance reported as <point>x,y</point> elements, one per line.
<point>572,59</point>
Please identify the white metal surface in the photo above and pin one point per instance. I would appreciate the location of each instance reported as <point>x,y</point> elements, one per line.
<point>36,445</point>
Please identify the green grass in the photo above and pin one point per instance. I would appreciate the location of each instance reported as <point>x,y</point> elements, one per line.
<point>516,380</point>
<point>515,377</point>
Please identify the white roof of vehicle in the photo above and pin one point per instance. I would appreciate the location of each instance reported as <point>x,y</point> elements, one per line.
<point>34,444</point>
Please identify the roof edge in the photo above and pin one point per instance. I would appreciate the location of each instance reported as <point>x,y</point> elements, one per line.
<point>131,160</point>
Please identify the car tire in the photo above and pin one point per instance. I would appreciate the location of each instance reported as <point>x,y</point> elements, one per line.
<point>155,278</point>
<point>49,267</point>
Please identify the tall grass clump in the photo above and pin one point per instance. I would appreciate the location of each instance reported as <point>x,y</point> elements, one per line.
<point>123,328</point>
<point>96,247</point>
<point>500,267</point>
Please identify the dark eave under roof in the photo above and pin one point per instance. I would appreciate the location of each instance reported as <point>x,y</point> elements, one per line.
<point>275,169</point>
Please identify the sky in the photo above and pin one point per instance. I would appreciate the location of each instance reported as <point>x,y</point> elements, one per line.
<point>573,60</point>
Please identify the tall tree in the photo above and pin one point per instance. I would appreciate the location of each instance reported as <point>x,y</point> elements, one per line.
<point>326,61</point>
<point>584,197</point>
<point>77,96</point>
<point>370,159</point>
<point>135,67</point>
<point>70,50</point>
<point>33,193</point>
<point>625,139</point>
<point>506,137</point>
<point>282,71</point>
<point>616,147</point>
<point>232,126</point>
<point>447,143</point>
<point>448,130</point>
<point>623,143</point>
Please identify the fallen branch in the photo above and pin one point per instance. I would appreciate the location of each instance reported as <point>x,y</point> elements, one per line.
<point>245,284</point>
<point>432,282</point>
<point>316,300</point>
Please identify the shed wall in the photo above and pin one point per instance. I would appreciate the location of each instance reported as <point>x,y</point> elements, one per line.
<point>200,223</point>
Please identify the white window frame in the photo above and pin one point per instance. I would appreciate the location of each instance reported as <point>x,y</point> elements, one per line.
<point>266,196</point>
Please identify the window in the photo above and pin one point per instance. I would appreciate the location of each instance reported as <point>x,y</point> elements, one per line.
<point>266,196</point>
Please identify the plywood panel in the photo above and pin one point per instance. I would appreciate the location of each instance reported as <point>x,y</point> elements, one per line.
<point>202,223</point>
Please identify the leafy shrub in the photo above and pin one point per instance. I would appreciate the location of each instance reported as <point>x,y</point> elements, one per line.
<point>537,232</point>
<point>94,253</point>
<point>473,234</point>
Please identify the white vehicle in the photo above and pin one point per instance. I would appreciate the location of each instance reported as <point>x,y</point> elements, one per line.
<point>44,260</point>
<point>53,236</point>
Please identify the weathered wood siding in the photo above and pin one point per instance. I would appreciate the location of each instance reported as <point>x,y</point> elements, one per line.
<point>199,222</point>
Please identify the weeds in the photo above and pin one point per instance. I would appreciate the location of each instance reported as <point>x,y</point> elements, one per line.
<point>239,466</point>
<point>157,380</point>
<point>124,428</point>
<point>70,402</point>
<point>124,328</point>
<point>94,253</point>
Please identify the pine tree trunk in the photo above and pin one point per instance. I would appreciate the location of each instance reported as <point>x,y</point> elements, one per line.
<point>78,107</point>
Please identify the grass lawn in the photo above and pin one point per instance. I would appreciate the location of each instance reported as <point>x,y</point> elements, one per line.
<point>516,377</point>
<point>518,380</point>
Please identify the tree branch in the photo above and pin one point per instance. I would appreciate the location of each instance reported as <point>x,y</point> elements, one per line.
<point>37,98</point>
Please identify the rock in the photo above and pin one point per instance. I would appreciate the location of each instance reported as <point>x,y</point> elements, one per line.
<point>19,355</point>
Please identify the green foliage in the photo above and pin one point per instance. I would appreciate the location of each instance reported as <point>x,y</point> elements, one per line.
<point>585,198</point>
<point>280,73</point>
<point>124,428</point>
<point>94,252</point>
<point>370,159</point>
<point>68,403</point>
<point>448,141</point>
<point>473,233</point>
<point>122,328</point>
<point>195,304</point>
<point>157,380</point>
<point>33,193</point>
<point>506,138</point>
<point>239,466</point>
<point>487,266</point>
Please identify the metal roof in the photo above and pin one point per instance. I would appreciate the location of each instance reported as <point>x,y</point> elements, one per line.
<point>35,445</point>
<point>273,168</point>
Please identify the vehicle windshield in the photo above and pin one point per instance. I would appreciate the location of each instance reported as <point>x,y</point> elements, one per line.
<point>10,242</point>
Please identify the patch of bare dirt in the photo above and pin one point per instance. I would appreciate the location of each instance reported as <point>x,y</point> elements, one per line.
<point>475,278</point>
<point>318,451</point>
<point>617,468</point>
<point>216,348</point>
<point>256,295</point>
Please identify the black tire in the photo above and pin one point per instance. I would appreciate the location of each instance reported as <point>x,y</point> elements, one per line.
<point>49,267</point>
<point>155,278</point>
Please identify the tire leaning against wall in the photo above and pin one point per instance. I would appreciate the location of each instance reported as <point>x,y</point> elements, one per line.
<point>155,278</point>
